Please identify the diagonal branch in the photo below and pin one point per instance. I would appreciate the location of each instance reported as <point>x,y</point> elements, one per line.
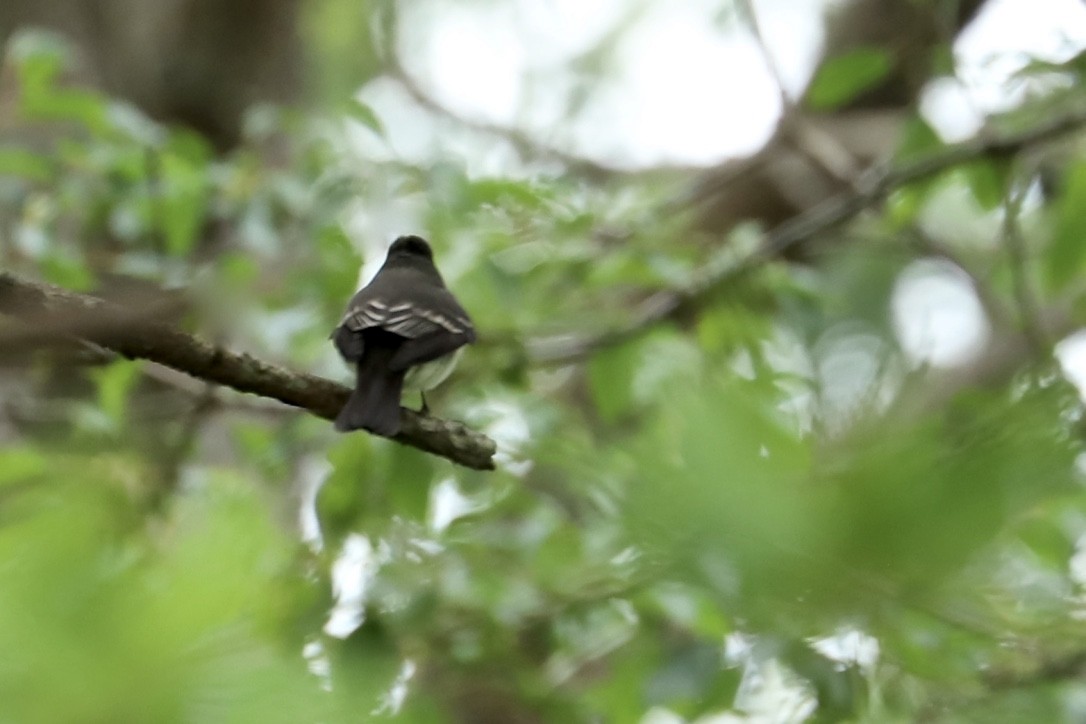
<point>669,304</point>
<point>54,311</point>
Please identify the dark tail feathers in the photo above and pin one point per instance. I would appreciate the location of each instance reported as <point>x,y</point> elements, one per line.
<point>375,403</point>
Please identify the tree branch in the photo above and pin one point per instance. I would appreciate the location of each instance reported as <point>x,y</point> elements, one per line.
<point>1028,307</point>
<point>668,304</point>
<point>58,312</point>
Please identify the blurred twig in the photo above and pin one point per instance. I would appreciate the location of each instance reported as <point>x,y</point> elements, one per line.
<point>1028,308</point>
<point>750,17</point>
<point>1051,670</point>
<point>134,335</point>
<point>794,130</point>
<point>196,389</point>
<point>176,451</point>
<point>994,309</point>
<point>872,189</point>
<point>527,146</point>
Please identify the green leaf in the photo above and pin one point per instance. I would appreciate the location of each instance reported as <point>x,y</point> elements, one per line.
<point>365,115</point>
<point>621,693</point>
<point>80,106</point>
<point>238,269</point>
<point>636,373</point>
<point>507,192</point>
<point>918,140</point>
<point>24,163</point>
<point>1075,65</point>
<point>183,203</point>
<point>115,384</point>
<point>253,442</point>
<point>610,377</point>
<point>988,182</point>
<point>345,495</point>
<point>1047,539</point>
<point>1067,250</point>
<point>65,269</point>
<point>40,57</point>
<point>408,488</point>
<point>19,464</point>
<point>339,265</point>
<point>843,77</point>
<point>343,46</point>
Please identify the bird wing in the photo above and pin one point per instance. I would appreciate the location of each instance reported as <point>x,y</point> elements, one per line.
<point>407,303</point>
<point>409,319</point>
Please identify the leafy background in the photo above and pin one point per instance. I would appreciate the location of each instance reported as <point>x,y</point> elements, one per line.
<point>765,507</point>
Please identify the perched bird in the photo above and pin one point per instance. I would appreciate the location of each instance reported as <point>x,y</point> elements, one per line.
<point>404,327</point>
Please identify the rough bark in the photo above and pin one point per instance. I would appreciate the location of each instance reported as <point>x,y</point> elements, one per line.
<point>54,313</point>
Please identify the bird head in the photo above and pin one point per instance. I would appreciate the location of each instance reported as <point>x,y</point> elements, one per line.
<point>411,245</point>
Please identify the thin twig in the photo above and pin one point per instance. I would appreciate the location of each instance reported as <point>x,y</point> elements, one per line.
<point>153,179</point>
<point>995,310</point>
<point>221,400</point>
<point>821,149</point>
<point>794,129</point>
<point>750,17</point>
<point>1028,308</point>
<point>173,457</point>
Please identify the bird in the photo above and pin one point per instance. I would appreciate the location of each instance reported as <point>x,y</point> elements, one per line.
<point>404,328</point>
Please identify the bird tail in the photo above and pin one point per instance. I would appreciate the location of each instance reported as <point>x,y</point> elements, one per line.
<point>374,404</point>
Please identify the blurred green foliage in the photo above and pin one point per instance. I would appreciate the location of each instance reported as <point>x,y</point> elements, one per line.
<point>105,620</point>
<point>845,76</point>
<point>677,522</point>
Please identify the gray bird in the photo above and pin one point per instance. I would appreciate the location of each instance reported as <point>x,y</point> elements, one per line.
<point>404,328</point>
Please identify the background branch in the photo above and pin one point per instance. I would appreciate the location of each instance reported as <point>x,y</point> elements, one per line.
<point>668,304</point>
<point>134,336</point>
<point>1028,307</point>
